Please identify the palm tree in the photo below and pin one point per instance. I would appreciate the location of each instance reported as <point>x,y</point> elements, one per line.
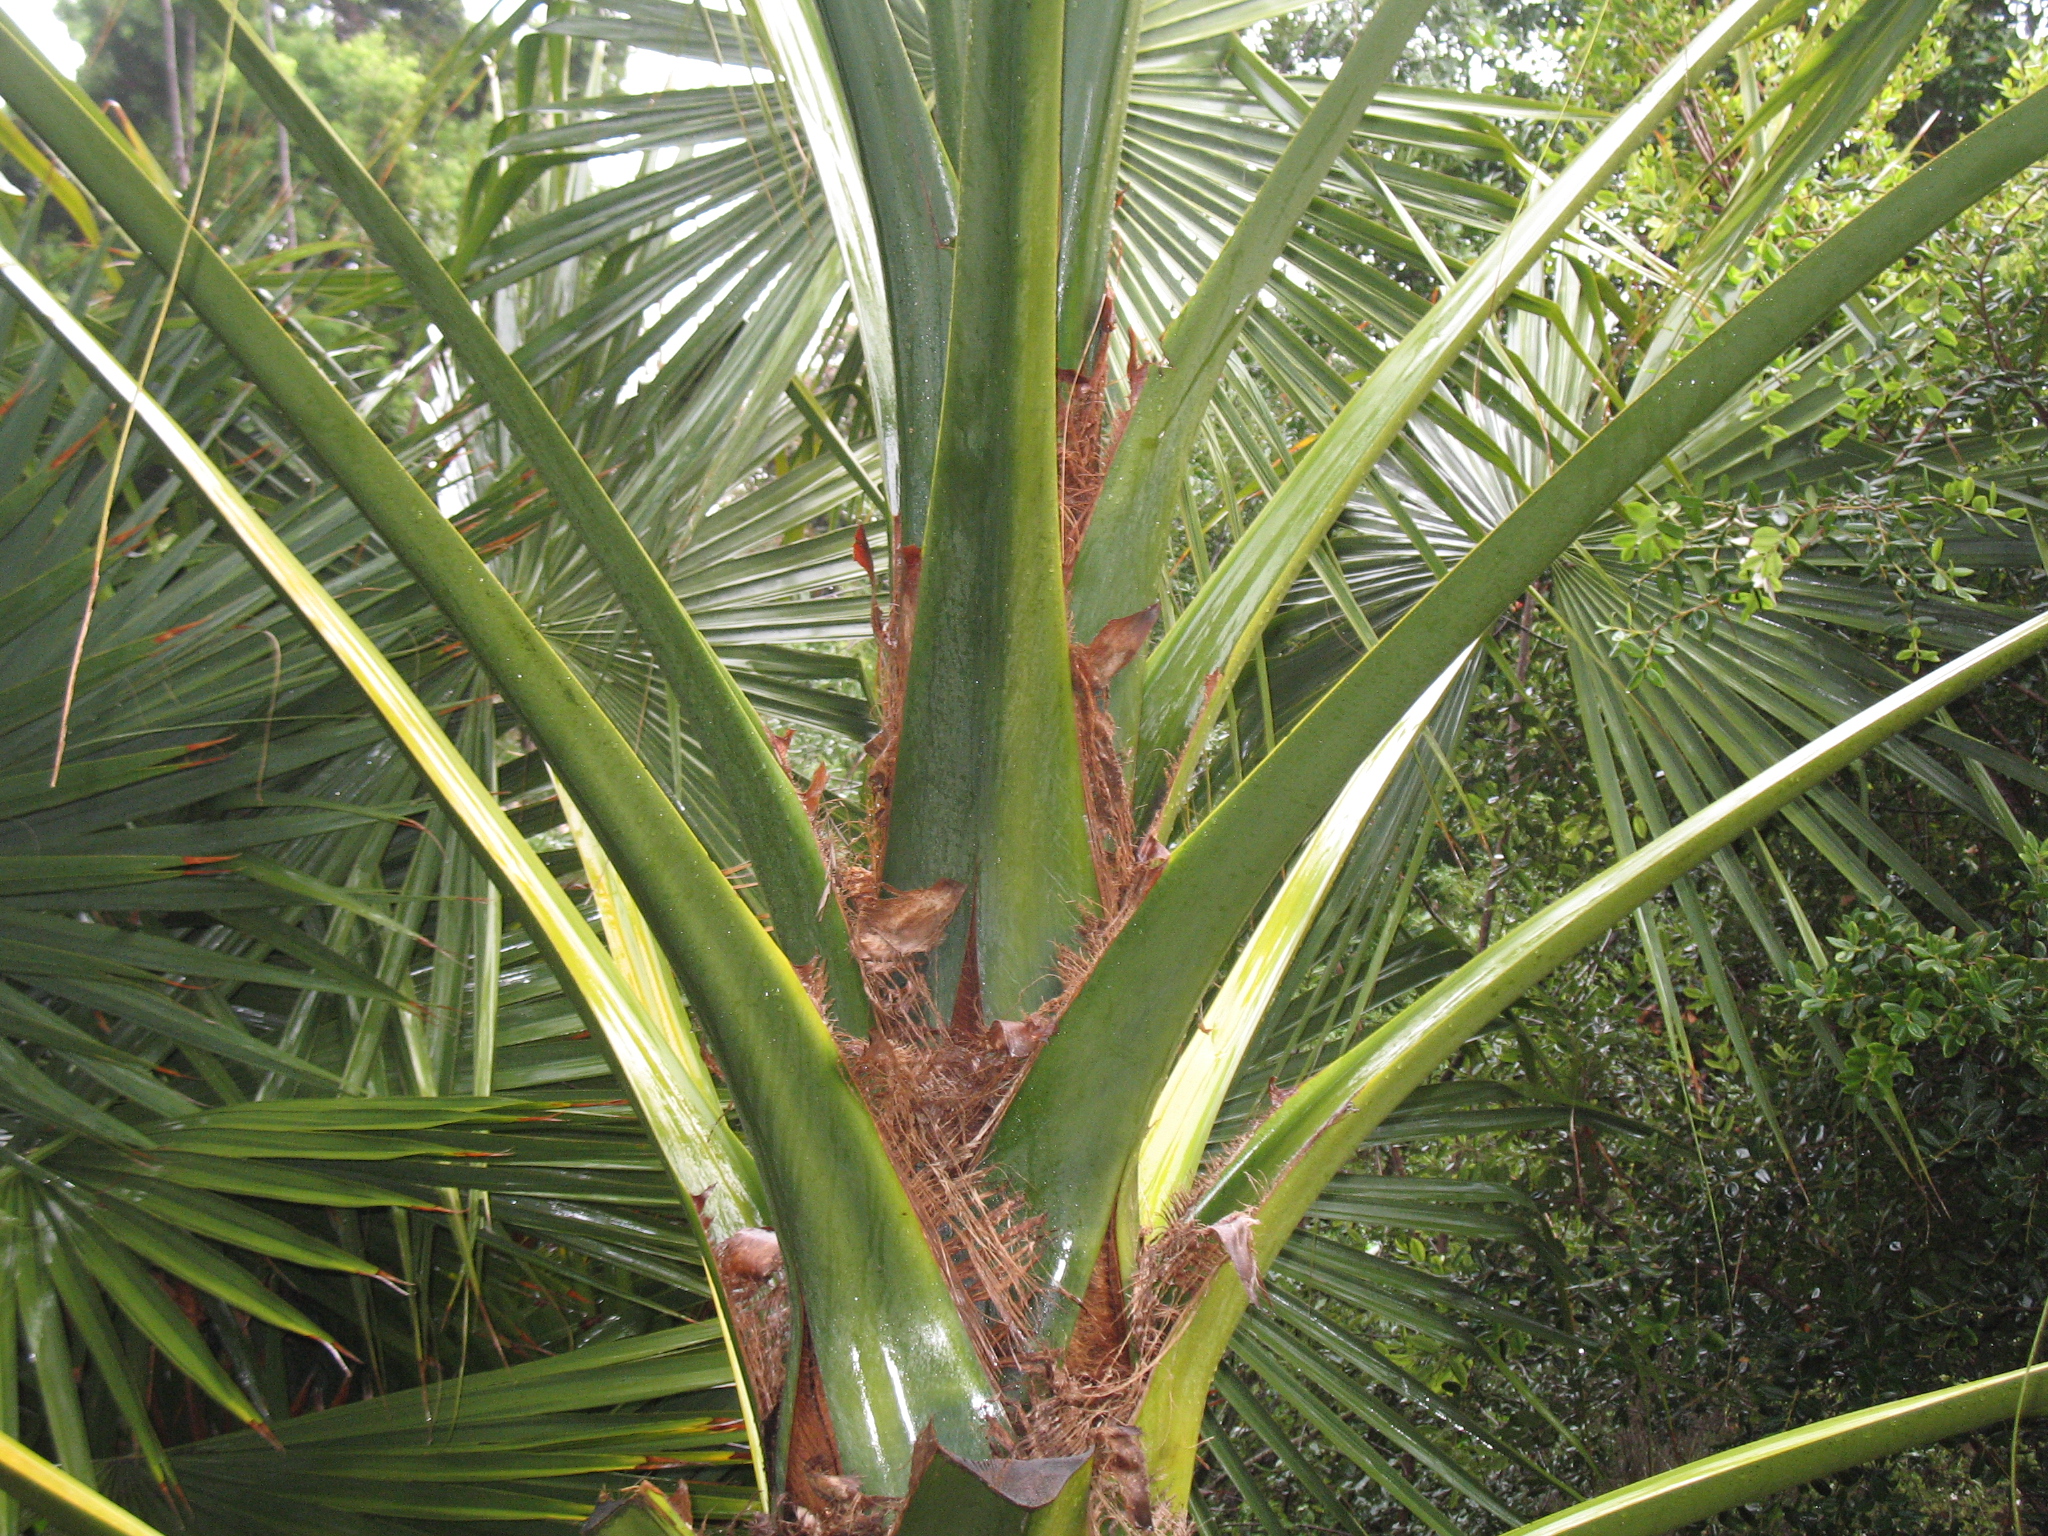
<point>1115,460</point>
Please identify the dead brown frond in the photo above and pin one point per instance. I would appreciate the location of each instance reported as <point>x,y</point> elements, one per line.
<point>893,930</point>
<point>1120,1497</point>
<point>1089,432</point>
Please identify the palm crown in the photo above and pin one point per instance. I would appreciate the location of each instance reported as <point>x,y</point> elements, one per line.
<point>1116,460</point>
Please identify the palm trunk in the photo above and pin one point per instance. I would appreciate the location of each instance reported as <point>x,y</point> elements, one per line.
<point>975,1241</point>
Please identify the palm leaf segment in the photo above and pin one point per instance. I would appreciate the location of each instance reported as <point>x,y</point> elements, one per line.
<point>284,881</point>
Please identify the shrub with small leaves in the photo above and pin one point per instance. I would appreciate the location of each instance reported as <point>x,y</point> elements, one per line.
<point>1893,986</point>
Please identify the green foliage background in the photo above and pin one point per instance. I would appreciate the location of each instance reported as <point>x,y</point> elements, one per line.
<point>1684,1252</point>
<point>1724,1281</point>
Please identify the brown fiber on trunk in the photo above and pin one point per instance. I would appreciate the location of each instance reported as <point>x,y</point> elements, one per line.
<point>814,1484</point>
<point>1088,434</point>
<point>934,1100</point>
<point>892,667</point>
<point>1125,864</point>
<point>937,1074</point>
<point>1083,460</point>
<point>750,1269</point>
<point>1101,1345</point>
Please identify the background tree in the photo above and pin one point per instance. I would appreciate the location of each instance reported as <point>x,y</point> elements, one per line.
<point>375,71</point>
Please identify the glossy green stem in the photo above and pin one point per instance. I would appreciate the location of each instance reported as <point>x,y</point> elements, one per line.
<point>910,187</point>
<point>950,1500</point>
<point>1101,45</point>
<point>988,777</point>
<point>1701,1489</point>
